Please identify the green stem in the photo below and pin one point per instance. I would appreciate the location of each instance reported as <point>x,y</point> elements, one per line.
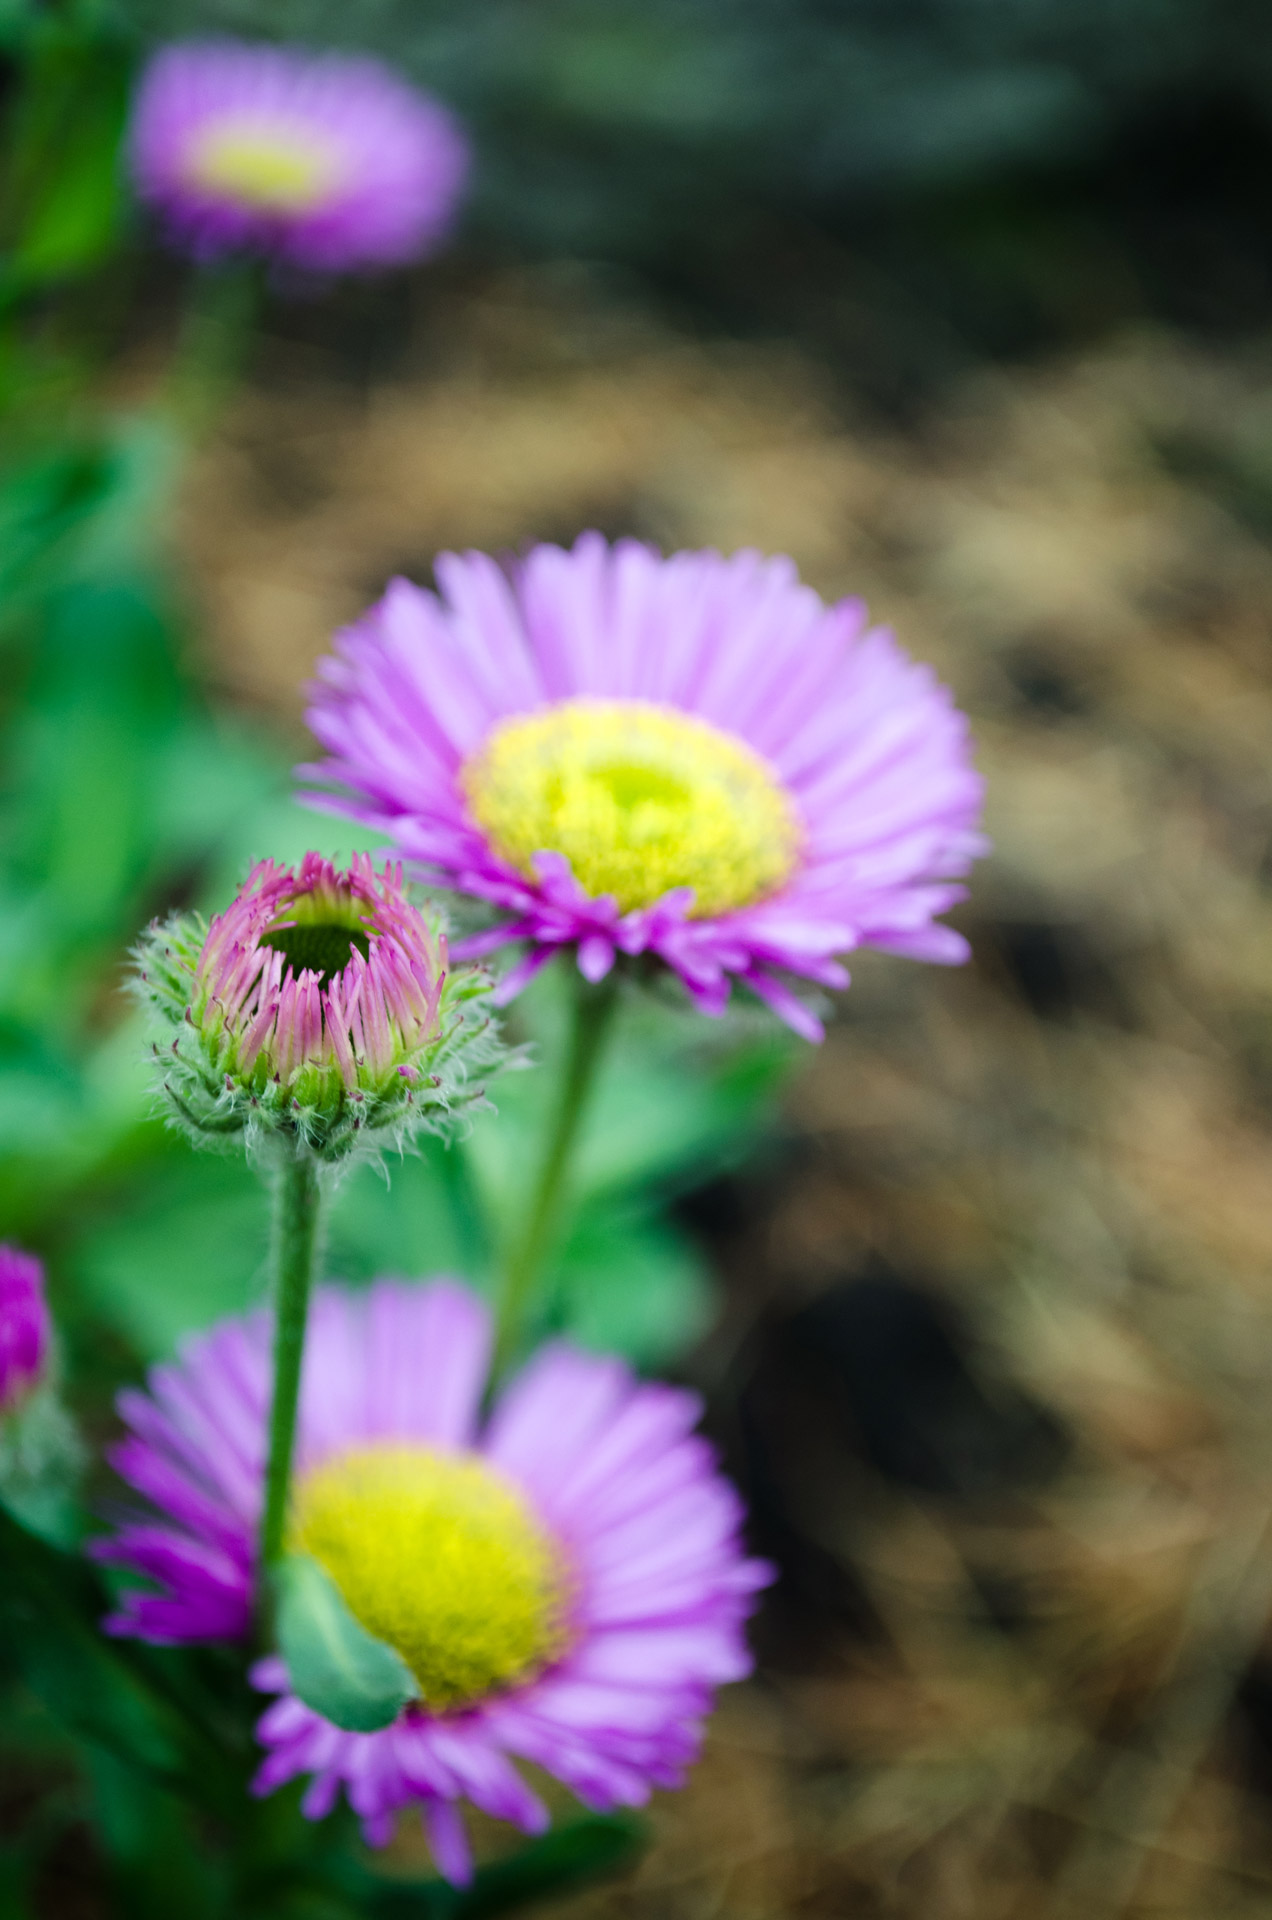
<point>593,1006</point>
<point>212,342</point>
<point>297,1212</point>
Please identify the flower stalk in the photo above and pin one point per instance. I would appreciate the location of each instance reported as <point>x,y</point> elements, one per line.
<point>592,1015</point>
<point>298,1199</point>
<point>213,342</point>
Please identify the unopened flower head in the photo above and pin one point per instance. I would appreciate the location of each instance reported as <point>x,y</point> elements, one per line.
<point>691,757</point>
<point>329,163</point>
<point>319,1005</point>
<point>25,1329</point>
<point>564,1578</point>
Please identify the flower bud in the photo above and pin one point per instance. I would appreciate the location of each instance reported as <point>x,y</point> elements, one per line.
<point>24,1327</point>
<point>318,1006</point>
<point>41,1457</point>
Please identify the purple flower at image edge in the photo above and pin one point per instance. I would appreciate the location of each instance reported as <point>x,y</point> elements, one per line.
<point>328,163</point>
<point>612,1531</point>
<point>713,766</point>
<point>25,1328</point>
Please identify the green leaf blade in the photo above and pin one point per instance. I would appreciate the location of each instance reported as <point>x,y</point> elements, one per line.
<point>334,1665</point>
<point>50,1612</point>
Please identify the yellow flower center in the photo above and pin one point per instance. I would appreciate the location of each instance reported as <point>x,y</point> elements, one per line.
<point>640,798</point>
<point>269,171</point>
<point>440,1555</point>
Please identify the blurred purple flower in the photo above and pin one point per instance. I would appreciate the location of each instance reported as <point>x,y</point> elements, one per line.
<point>689,756</point>
<point>25,1329</point>
<point>328,163</point>
<point>564,1576</point>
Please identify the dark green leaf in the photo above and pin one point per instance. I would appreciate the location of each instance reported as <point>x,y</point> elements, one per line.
<point>150,1838</point>
<point>335,1666</point>
<point>16,1876</point>
<point>64,197</point>
<point>43,505</point>
<point>627,1283</point>
<point>51,1605</point>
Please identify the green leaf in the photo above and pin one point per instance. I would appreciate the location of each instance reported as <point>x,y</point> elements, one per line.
<point>670,1104</point>
<point>44,504</point>
<point>151,1841</point>
<point>197,1215</point>
<point>335,1666</point>
<point>16,1877</point>
<point>51,1606</point>
<point>627,1283</point>
<point>64,199</point>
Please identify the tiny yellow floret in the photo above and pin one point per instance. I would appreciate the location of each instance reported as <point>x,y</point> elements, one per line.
<point>265,170</point>
<point>440,1555</point>
<point>640,798</point>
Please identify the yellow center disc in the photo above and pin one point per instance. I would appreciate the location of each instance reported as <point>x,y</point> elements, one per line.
<point>640,798</point>
<point>266,171</point>
<point>440,1555</point>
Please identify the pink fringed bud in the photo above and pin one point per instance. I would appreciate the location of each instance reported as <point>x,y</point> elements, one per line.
<point>316,977</point>
<point>320,1004</point>
<point>24,1327</point>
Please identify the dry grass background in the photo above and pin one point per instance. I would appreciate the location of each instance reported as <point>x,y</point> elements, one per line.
<point>1069,1141</point>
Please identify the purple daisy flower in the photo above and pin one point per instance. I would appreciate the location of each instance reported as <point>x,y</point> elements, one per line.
<point>329,163</point>
<point>693,757</point>
<point>564,1580</point>
<point>25,1329</point>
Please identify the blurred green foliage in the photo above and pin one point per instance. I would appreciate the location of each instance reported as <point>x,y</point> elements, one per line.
<point>126,790</point>
<point>123,791</point>
<point>65,79</point>
<point>63,196</point>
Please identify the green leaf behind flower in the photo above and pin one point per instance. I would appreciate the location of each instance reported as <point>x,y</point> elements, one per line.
<point>335,1666</point>
<point>63,203</point>
<point>103,1691</point>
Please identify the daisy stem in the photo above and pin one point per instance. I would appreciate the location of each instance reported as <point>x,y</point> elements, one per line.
<point>297,1220</point>
<point>212,343</point>
<point>593,1007</point>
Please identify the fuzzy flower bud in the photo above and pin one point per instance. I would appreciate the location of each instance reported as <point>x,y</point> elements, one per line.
<point>25,1332</point>
<point>318,1006</point>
